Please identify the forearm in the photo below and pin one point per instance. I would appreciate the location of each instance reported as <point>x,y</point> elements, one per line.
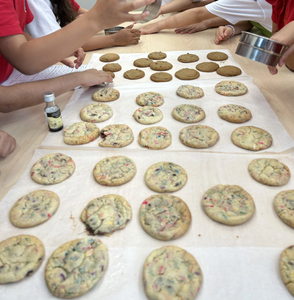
<point>176,5</point>
<point>241,26</point>
<point>215,22</point>
<point>98,42</point>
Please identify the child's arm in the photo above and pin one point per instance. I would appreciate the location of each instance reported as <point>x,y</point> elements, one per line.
<point>7,144</point>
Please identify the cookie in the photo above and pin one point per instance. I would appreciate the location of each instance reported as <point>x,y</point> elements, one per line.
<point>251,138</point>
<point>284,207</point>
<point>230,88</point>
<point>150,99</point>
<point>165,217</point>
<point>161,77</point>
<point>106,214</point>
<point>34,208</point>
<point>234,113</point>
<point>134,74</point>
<point>109,57</point>
<point>217,56</point>
<point>165,177</point>
<point>171,273</point>
<point>142,62</point>
<point>228,204</point>
<point>207,67</point>
<point>199,136</point>
<point>110,73</point>
<point>190,92</point>
<point>269,171</point>
<point>116,136</point>
<point>20,256</point>
<point>286,266</point>
<point>80,133</point>
<point>157,55</point>
<point>188,58</point>
<point>75,267</point>
<point>96,113</point>
<point>229,71</point>
<point>188,113</point>
<point>114,171</point>
<point>113,67</point>
<point>52,169</point>
<point>148,115</point>
<point>106,95</point>
<point>187,74</point>
<point>155,138</point>
<point>160,65</point>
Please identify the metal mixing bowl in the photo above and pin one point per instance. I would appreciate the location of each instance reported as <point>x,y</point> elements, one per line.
<point>113,30</point>
<point>153,9</point>
<point>260,48</point>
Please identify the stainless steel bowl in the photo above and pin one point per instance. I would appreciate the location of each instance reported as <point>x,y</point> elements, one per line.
<point>113,30</point>
<point>153,9</point>
<point>260,48</point>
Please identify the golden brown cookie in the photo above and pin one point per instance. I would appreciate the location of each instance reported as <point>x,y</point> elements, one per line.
<point>229,71</point>
<point>157,55</point>
<point>188,58</point>
<point>112,67</point>
<point>142,62</point>
<point>134,74</point>
<point>217,56</point>
<point>187,74</point>
<point>161,77</point>
<point>110,73</point>
<point>207,67</point>
<point>109,57</point>
<point>160,65</point>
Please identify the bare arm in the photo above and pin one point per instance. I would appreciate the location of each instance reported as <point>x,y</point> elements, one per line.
<point>180,5</point>
<point>7,144</point>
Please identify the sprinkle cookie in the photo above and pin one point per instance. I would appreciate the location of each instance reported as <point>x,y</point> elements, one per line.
<point>284,207</point>
<point>160,65</point>
<point>231,88</point>
<point>113,67</point>
<point>286,265</point>
<point>150,99</point>
<point>188,113</point>
<point>217,56</point>
<point>80,133</point>
<point>187,74</point>
<point>142,62</point>
<point>157,55</point>
<point>161,77</point>
<point>109,57</point>
<point>96,113</point>
<point>148,115</point>
<point>134,74</point>
<point>190,92</point>
<point>116,136</point>
<point>234,113</point>
<point>155,138</point>
<point>188,58</point>
<point>106,95</point>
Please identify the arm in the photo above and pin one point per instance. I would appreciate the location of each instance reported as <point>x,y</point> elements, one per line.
<point>180,5</point>
<point>7,144</point>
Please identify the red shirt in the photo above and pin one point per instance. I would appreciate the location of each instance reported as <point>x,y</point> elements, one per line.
<point>74,5</point>
<point>14,15</point>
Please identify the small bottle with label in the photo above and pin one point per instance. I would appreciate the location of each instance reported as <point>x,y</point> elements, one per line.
<point>52,113</point>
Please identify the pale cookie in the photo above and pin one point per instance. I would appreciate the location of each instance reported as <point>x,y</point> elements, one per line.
<point>286,266</point>
<point>230,88</point>
<point>75,267</point>
<point>188,58</point>
<point>251,138</point>
<point>234,113</point>
<point>134,74</point>
<point>106,94</point>
<point>109,57</point>
<point>150,99</point>
<point>190,92</point>
<point>80,133</point>
<point>142,62</point>
<point>228,204</point>
<point>284,206</point>
<point>171,273</point>
<point>34,208</point>
<point>95,113</point>
<point>229,71</point>
<point>160,65</point>
<point>155,138</point>
<point>165,217</point>
<point>207,67</point>
<point>269,171</point>
<point>161,77</point>
<point>165,177</point>
<point>106,214</point>
<point>113,171</point>
<point>20,256</point>
<point>116,136</point>
<point>52,168</point>
<point>217,56</point>
<point>113,67</point>
<point>199,136</point>
<point>157,55</point>
<point>187,74</point>
<point>188,113</point>
<point>148,115</point>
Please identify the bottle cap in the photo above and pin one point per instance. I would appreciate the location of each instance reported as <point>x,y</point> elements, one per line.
<point>49,96</point>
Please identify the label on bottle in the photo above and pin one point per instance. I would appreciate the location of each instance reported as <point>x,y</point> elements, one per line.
<point>54,120</point>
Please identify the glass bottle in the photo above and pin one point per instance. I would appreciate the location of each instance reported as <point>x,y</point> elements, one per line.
<point>52,113</point>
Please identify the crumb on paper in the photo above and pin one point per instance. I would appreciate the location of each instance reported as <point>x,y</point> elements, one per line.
<point>199,234</point>
<point>73,220</point>
<point>237,236</point>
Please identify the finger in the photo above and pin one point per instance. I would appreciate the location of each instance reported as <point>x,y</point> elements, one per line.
<point>286,55</point>
<point>129,6</point>
<point>130,26</point>
<point>68,63</point>
<point>273,70</point>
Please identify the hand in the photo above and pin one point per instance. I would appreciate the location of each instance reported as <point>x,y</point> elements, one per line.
<point>222,34</point>
<point>79,54</point>
<point>92,77</point>
<point>147,29</point>
<point>126,36</point>
<point>7,144</point>
<point>191,28</point>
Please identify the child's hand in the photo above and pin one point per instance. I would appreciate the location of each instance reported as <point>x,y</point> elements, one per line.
<point>79,54</point>
<point>148,29</point>
<point>222,34</point>
<point>191,28</point>
<point>127,36</point>
<point>92,77</point>
<point>7,144</point>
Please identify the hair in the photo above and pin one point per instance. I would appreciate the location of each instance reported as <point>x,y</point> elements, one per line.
<point>63,11</point>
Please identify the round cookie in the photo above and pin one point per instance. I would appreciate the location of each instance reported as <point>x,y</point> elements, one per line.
<point>155,138</point>
<point>148,115</point>
<point>188,113</point>
<point>150,99</point>
<point>171,273</point>
<point>217,56</point>
<point>80,133</point>
<point>284,207</point>
<point>106,95</point>
<point>114,171</point>
<point>160,65</point>
<point>157,55</point>
<point>95,113</point>
<point>286,266</point>
<point>251,138</point>
<point>106,214</point>
<point>142,62</point>
<point>207,67</point>
<point>20,256</point>
<point>34,208</point>
<point>116,136</point>
<point>161,77</point>
<point>165,177</point>
<point>230,88</point>
<point>113,67</point>
<point>165,217</point>
<point>228,204</point>
<point>234,113</point>
<point>75,267</point>
<point>229,71</point>
<point>188,58</point>
<point>190,92</point>
<point>52,169</point>
<point>187,74</point>
<point>134,74</point>
<point>109,57</point>
<point>110,73</point>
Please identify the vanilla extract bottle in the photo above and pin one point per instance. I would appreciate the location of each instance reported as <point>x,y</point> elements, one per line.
<point>52,113</point>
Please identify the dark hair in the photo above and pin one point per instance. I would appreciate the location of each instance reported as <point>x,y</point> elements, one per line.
<point>63,11</point>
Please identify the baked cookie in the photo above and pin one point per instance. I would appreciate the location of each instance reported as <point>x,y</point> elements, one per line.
<point>190,92</point>
<point>284,207</point>
<point>171,273</point>
<point>106,95</point>
<point>187,74</point>
<point>80,133</point>
<point>234,113</point>
<point>160,65</point>
<point>207,67</point>
<point>75,267</point>
<point>155,138</point>
<point>52,168</point>
<point>96,113</point>
<point>114,171</point>
<point>286,266</point>
<point>106,214</point>
<point>20,256</point>
<point>150,99</point>
<point>165,177</point>
<point>269,171</point>
<point>114,67</point>
<point>199,136</point>
<point>148,115</point>
<point>165,217</point>
<point>116,136</point>
<point>157,55</point>
<point>134,74</point>
<point>188,58</point>
<point>188,113</point>
<point>161,77</point>
<point>229,71</point>
<point>109,57</point>
<point>228,204</point>
<point>34,208</point>
<point>251,138</point>
<point>142,62</point>
<point>230,88</point>
<point>110,73</point>
<point>217,56</point>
